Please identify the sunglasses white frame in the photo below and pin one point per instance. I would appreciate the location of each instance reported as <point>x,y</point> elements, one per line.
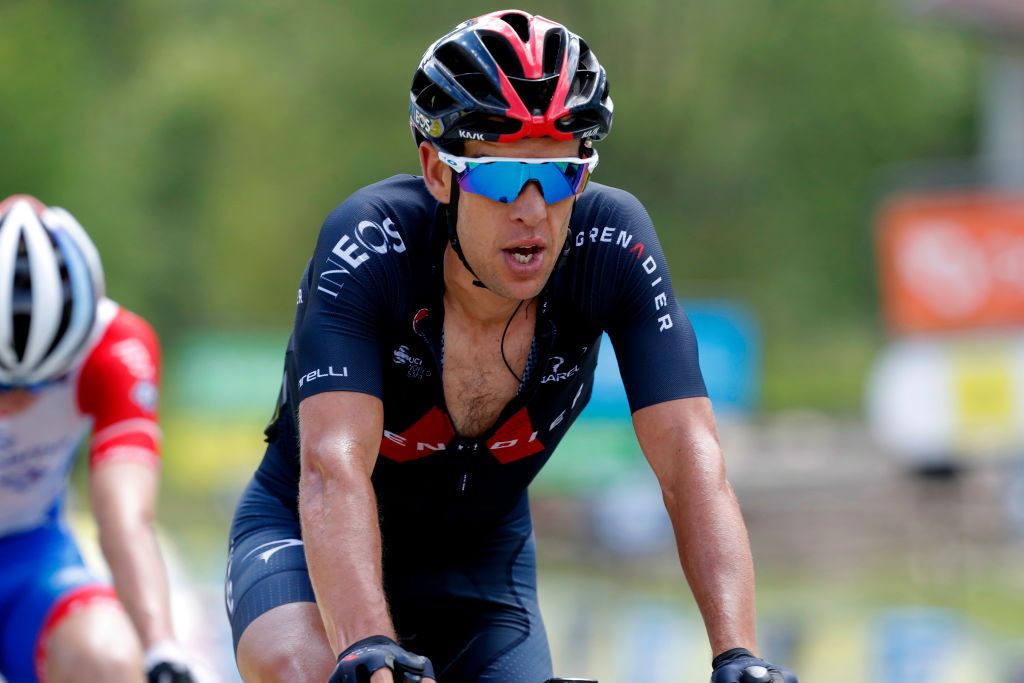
<point>460,164</point>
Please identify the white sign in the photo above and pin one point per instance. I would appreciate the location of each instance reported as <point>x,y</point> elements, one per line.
<point>949,397</point>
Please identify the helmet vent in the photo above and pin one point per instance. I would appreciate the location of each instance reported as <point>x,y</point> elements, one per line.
<point>21,325</point>
<point>586,79</point>
<point>22,279</point>
<point>502,53</point>
<point>67,308</point>
<point>21,300</point>
<point>420,84</point>
<point>536,94</point>
<point>588,60</point>
<point>579,122</point>
<point>498,125</point>
<point>582,85</point>
<point>480,88</point>
<point>520,23</point>
<point>453,58</point>
<point>553,52</point>
<point>433,100</point>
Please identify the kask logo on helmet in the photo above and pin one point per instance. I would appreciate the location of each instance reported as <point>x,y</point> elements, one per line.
<point>353,251</point>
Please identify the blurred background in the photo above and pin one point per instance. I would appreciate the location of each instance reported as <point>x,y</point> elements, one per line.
<point>838,186</point>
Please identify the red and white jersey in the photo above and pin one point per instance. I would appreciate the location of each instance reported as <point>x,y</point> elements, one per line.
<point>112,392</point>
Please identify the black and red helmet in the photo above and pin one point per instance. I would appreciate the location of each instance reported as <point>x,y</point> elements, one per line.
<point>509,75</point>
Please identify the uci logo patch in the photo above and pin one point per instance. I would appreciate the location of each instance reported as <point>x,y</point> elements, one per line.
<point>416,369</point>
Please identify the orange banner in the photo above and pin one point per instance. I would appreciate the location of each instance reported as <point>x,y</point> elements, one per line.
<point>952,261</point>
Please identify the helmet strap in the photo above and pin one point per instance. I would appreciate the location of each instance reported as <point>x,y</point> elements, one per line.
<point>453,233</point>
<point>569,239</point>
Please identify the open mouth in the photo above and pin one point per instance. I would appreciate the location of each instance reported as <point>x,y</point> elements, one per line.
<point>524,254</point>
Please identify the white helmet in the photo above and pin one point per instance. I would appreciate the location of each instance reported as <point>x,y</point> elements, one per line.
<point>51,282</point>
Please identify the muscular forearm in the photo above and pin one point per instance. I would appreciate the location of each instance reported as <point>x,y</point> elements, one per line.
<point>341,533</point>
<point>680,441</point>
<point>715,554</point>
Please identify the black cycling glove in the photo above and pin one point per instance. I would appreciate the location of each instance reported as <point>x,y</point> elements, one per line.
<point>741,666</point>
<point>362,658</point>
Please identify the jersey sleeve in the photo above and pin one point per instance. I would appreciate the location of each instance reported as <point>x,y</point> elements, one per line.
<point>350,284</point>
<point>119,388</point>
<point>654,343</point>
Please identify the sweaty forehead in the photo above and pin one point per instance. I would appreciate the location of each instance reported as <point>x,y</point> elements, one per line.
<point>524,147</point>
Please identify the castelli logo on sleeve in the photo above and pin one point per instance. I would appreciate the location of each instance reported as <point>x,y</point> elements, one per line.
<point>320,374</point>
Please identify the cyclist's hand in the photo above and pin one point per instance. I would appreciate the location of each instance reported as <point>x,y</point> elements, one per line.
<point>359,662</point>
<point>740,666</point>
<point>165,663</point>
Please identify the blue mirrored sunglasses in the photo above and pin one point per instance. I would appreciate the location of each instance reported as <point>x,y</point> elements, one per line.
<point>503,178</point>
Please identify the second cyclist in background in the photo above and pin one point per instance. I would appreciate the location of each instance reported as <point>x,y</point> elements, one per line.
<point>74,363</point>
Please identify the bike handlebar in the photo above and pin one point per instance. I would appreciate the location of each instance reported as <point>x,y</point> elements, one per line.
<point>756,674</point>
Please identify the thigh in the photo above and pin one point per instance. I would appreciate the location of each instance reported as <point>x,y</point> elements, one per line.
<point>94,641</point>
<point>275,624</point>
<point>45,581</point>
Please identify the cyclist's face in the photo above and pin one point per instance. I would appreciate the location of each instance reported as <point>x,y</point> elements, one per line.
<point>513,247</point>
<point>13,401</point>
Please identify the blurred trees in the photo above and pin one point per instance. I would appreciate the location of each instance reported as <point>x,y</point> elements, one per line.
<point>201,143</point>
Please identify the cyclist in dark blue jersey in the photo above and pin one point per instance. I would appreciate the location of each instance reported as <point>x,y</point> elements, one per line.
<point>446,336</point>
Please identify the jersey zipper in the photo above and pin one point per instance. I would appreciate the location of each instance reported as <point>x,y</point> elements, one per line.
<point>463,449</point>
<point>467,450</point>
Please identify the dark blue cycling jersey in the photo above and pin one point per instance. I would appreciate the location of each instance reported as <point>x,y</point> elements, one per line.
<point>459,562</point>
<point>369,319</point>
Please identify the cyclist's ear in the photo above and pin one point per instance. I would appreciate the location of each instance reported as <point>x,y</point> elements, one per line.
<point>436,174</point>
